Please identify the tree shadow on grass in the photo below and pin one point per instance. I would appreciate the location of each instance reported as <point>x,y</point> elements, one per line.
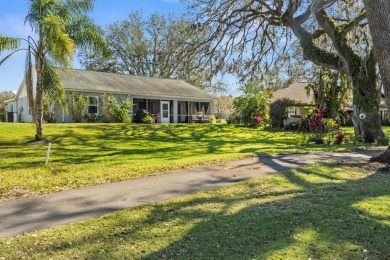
<point>321,220</point>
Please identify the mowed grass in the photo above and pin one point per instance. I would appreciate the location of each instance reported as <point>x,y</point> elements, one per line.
<point>89,154</point>
<point>323,211</point>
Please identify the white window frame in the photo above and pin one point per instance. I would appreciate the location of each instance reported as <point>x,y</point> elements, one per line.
<point>93,105</point>
<point>291,111</point>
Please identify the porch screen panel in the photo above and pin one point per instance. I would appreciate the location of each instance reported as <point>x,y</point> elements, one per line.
<point>205,108</point>
<point>182,111</point>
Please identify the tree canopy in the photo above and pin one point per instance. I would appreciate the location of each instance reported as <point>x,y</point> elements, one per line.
<point>155,46</point>
<point>249,36</point>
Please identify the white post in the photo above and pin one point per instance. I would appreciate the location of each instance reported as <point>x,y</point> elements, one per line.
<point>175,111</point>
<point>48,153</point>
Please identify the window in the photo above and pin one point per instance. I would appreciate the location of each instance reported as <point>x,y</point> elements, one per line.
<point>11,109</point>
<point>291,111</point>
<point>29,111</point>
<point>92,105</point>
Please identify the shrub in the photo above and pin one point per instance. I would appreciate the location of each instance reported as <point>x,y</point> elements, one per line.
<point>257,120</point>
<point>92,118</point>
<point>121,111</point>
<point>252,102</point>
<point>304,140</point>
<point>233,119</point>
<point>339,138</point>
<point>213,119</point>
<point>3,112</point>
<point>78,105</point>
<point>316,126</point>
<point>355,138</point>
<point>148,118</point>
<point>278,111</point>
<point>330,125</point>
<point>107,107</point>
<point>383,141</point>
<point>49,117</point>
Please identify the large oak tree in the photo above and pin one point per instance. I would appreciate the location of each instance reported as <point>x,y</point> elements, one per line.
<point>244,35</point>
<point>379,21</point>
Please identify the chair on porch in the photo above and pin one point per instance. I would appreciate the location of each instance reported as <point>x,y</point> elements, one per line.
<point>194,118</point>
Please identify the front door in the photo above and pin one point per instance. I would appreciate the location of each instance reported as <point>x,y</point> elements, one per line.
<point>165,112</point>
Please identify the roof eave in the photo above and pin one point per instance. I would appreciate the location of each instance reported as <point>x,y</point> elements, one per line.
<point>139,94</point>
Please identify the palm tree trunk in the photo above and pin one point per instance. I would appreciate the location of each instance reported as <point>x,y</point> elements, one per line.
<point>379,23</point>
<point>39,98</point>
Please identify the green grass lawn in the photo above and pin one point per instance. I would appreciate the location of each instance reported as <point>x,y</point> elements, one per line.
<point>88,154</point>
<point>323,211</point>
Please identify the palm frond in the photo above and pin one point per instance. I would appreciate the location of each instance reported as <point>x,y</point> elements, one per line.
<point>8,43</point>
<point>9,55</point>
<point>60,46</point>
<point>28,76</point>
<point>52,87</point>
<point>75,7</point>
<point>87,35</point>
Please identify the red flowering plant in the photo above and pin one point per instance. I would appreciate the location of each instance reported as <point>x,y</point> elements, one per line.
<point>316,125</point>
<point>339,138</point>
<point>257,120</point>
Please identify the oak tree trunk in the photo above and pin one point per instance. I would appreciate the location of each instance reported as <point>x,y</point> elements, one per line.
<point>366,98</point>
<point>379,22</point>
<point>369,127</point>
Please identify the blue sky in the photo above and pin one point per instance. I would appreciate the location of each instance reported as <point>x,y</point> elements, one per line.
<point>13,12</point>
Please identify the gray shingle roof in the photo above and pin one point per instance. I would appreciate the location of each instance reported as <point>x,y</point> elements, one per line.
<point>93,81</point>
<point>296,92</point>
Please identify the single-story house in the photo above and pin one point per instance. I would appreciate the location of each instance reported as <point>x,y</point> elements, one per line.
<point>169,100</point>
<point>298,93</point>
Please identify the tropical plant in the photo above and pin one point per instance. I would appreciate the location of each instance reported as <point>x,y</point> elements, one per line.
<point>78,105</point>
<point>384,141</point>
<point>212,119</point>
<point>148,118</point>
<point>316,126</point>
<point>122,111</point>
<point>61,26</point>
<point>254,101</point>
<point>339,139</point>
<point>257,120</point>
<point>331,91</point>
<point>107,107</point>
<point>5,95</point>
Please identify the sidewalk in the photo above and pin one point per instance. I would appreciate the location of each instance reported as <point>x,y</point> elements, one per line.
<point>45,211</point>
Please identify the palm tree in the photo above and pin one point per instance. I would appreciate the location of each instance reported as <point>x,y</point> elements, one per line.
<point>60,26</point>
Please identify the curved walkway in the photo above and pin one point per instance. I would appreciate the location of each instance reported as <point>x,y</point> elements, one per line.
<point>45,211</point>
